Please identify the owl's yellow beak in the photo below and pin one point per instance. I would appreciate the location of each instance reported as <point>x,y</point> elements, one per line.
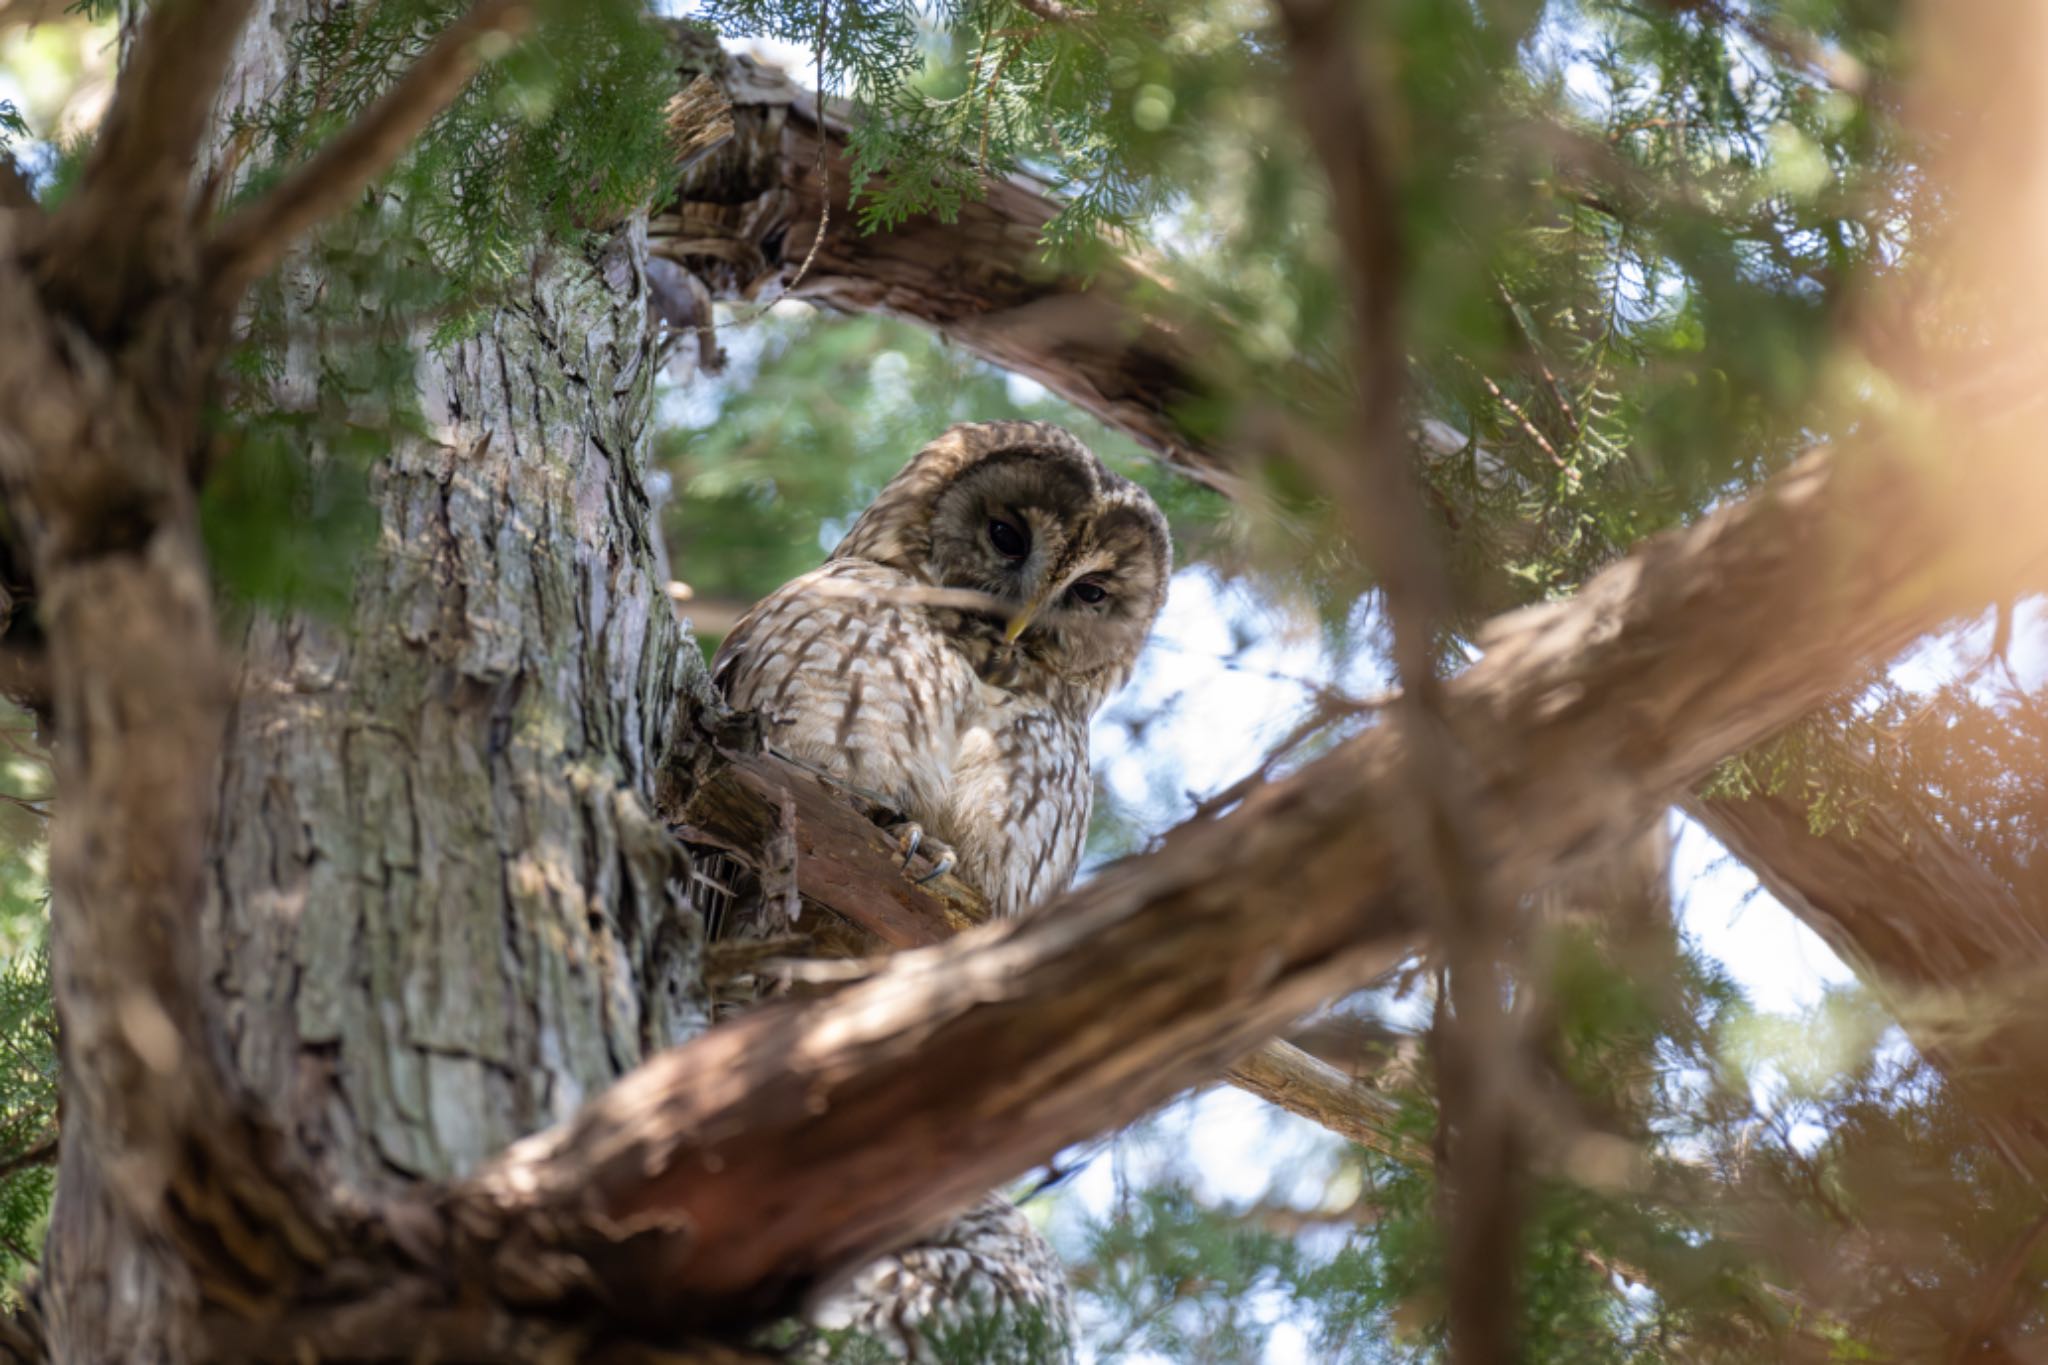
<point>1021,622</point>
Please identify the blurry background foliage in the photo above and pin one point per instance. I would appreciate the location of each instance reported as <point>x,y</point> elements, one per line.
<point>1630,231</point>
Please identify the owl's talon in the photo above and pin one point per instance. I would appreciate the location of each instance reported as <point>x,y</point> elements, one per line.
<point>911,839</point>
<point>946,863</point>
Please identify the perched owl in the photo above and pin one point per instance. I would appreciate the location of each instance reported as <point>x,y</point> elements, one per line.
<point>967,712</point>
<point>945,662</point>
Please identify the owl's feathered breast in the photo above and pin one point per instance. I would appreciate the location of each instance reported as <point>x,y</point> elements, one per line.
<point>853,672</point>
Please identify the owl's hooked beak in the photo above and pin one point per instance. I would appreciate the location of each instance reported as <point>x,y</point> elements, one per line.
<point>1021,622</point>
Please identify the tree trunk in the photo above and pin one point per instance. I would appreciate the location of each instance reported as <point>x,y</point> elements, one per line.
<point>439,914</point>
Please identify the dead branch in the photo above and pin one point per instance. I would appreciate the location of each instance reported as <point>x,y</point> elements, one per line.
<point>251,241</point>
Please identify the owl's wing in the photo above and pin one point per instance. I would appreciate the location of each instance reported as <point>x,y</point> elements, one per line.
<point>1020,800</point>
<point>853,680</point>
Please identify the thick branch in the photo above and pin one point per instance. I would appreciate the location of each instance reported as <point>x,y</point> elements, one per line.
<point>729,1173</point>
<point>859,903</point>
<point>744,219</point>
<point>250,242</point>
<point>1952,950</point>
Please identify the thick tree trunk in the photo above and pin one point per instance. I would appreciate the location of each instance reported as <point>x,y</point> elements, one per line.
<point>439,915</point>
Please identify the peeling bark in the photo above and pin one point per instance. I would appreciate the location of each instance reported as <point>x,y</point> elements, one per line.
<point>745,216</point>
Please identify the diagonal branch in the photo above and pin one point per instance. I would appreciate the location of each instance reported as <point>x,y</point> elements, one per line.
<point>860,903</point>
<point>730,1174</point>
<point>126,233</point>
<point>1868,896</point>
<point>251,241</point>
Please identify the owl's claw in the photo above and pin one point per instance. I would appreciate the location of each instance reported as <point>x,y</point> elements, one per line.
<point>910,838</point>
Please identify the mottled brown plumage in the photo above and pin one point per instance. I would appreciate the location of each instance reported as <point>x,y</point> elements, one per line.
<point>971,721</point>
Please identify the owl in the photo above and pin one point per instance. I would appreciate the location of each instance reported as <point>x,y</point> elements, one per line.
<point>944,662</point>
<point>946,658</point>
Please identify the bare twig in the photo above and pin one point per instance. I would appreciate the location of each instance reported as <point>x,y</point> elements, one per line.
<point>40,811</point>
<point>251,241</point>
<point>1284,1075</point>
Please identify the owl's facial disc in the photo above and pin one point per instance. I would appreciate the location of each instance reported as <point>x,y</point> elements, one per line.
<point>1074,559</point>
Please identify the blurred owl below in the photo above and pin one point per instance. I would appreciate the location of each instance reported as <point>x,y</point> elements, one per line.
<point>968,717</point>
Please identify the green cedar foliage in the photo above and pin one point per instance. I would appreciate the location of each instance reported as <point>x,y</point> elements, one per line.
<point>28,1031</point>
<point>1630,231</point>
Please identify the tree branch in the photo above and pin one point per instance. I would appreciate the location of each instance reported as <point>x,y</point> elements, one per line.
<point>43,1153</point>
<point>745,217</point>
<point>125,234</point>
<point>859,902</point>
<point>249,243</point>
<point>1869,895</point>
<point>728,1175</point>
<point>1110,352</point>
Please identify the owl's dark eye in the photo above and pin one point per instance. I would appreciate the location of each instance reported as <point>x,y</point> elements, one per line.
<point>1091,593</point>
<point>1010,542</point>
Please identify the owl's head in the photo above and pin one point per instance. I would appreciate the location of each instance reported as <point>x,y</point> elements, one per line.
<point>1077,557</point>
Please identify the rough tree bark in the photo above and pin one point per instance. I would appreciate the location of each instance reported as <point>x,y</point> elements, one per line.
<point>438,913</point>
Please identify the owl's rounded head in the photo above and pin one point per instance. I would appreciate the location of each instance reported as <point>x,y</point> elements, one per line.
<point>1077,556</point>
